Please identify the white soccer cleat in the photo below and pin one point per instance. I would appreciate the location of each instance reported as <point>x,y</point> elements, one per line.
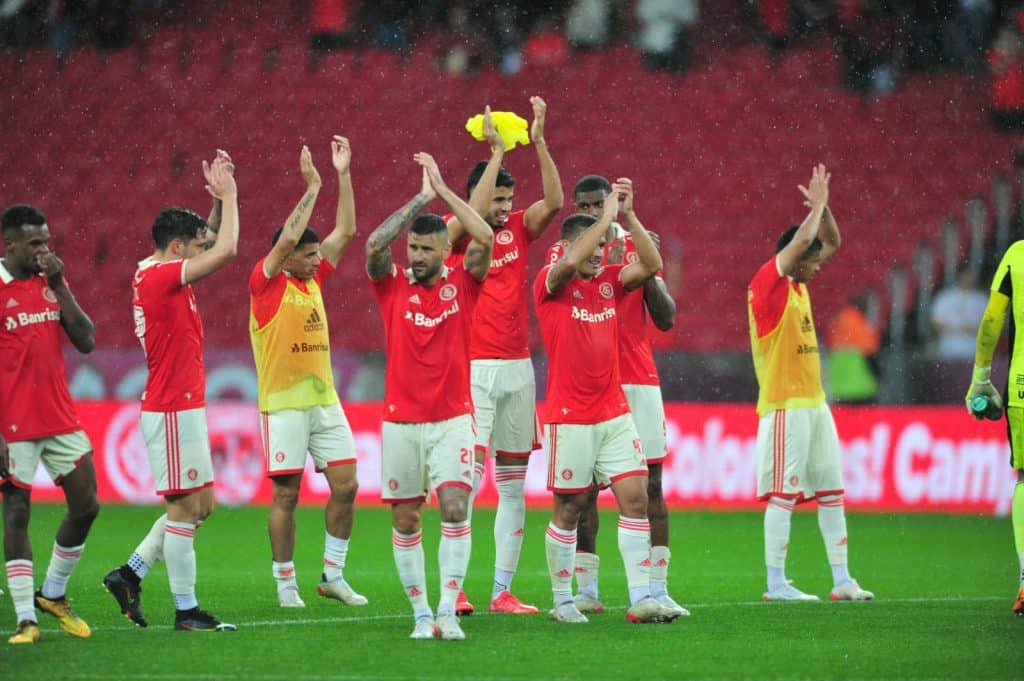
<point>647,611</point>
<point>669,605</point>
<point>424,628</point>
<point>568,612</point>
<point>851,591</point>
<point>289,598</point>
<point>448,628</point>
<point>788,593</point>
<point>585,603</point>
<point>339,590</point>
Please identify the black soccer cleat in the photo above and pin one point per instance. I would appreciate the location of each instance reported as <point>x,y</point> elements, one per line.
<point>195,619</point>
<point>127,592</point>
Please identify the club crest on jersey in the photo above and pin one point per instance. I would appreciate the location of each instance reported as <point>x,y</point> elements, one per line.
<point>632,258</point>
<point>279,457</point>
<point>192,474</point>
<point>566,474</point>
<point>794,480</point>
<point>49,294</point>
<point>504,237</point>
<point>447,292</point>
<point>392,484</point>
<point>606,290</point>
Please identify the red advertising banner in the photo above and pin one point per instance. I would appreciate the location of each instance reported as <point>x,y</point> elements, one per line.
<point>929,459</point>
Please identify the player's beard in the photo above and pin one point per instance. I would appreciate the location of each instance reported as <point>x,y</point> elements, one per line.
<point>428,273</point>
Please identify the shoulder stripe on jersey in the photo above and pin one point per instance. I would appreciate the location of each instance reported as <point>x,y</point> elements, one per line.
<point>5,276</point>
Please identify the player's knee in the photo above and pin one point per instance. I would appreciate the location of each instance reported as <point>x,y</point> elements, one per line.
<point>406,522</point>
<point>455,509</point>
<point>345,490</point>
<point>85,512</point>
<point>17,511</point>
<point>286,498</point>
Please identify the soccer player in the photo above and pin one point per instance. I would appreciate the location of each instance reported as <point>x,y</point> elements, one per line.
<point>504,388</point>
<point>427,435</point>
<point>1005,294</point>
<point>173,418</point>
<point>641,384</point>
<point>299,406</point>
<point>38,421</point>
<point>797,444</point>
<point>590,434</point>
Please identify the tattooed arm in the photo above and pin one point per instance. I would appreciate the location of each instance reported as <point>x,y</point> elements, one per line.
<point>378,245</point>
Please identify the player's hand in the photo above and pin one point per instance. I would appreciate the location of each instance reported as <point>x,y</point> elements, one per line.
<point>432,171</point>
<point>611,207</point>
<point>426,188</point>
<point>625,194</point>
<point>220,176</point>
<point>341,154</point>
<point>816,191</point>
<point>5,459</point>
<point>540,110</point>
<point>616,254</point>
<point>981,385</point>
<point>52,268</point>
<point>309,171</point>
<point>491,132</point>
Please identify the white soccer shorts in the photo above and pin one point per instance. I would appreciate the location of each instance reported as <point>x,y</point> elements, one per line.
<point>579,454</point>
<point>60,455</point>
<point>418,457</point>
<point>322,431</point>
<point>505,406</point>
<point>798,454</point>
<point>648,408</point>
<point>178,445</point>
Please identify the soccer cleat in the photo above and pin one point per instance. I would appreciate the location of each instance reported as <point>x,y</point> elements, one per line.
<point>66,617</point>
<point>195,619</point>
<point>585,603</point>
<point>673,608</point>
<point>1018,605</point>
<point>567,612</point>
<point>424,628</point>
<point>507,603</point>
<point>27,632</point>
<point>339,590</point>
<point>289,597</point>
<point>447,627</point>
<point>850,591</point>
<point>788,593</point>
<point>462,604</point>
<point>647,611</point>
<point>127,595</point>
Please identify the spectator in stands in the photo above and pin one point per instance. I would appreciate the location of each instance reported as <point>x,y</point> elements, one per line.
<point>467,48</point>
<point>329,24</point>
<point>587,23</point>
<point>665,27</point>
<point>852,362</point>
<point>868,49</point>
<point>546,46</point>
<point>1006,67</point>
<point>956,312</point>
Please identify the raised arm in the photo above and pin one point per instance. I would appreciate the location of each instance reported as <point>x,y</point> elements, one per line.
<point>539,216</point>
<point>76,323</point>
<point>220,183</point>
<point>816,195</point>
<point>659,302</point>
<point>483,192</point>
<point>296,223</point>
<point>478,256</point>
<point>213,221</point>
<point>829,234</point>
<point>648,259</point>
<point>566,269</point>
<point>345,218</point>
<point>378,244</point>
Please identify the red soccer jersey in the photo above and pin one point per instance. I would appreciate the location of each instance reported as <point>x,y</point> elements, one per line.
<point>34,398</point>
<point>426,333</point>
<point>168,326</point>
<point>500,321</point>
<point>581,335</point>
<point>636,360</point>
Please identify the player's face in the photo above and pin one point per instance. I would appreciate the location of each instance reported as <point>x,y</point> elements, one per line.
<point>304,261</point>
<point>590,203</point>
<point>426,255</point>
<point>193,247</point>
<point>26,246</point>
<point>592,265</point>
<point>807,268</point>
<point>501,206</point>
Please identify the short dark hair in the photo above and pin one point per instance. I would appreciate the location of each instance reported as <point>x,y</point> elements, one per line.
<point>576,224</point>
<point>176,223</point>
<point>592,183</point>
<point>788,235</point>
<point>308,237</point>
<point>428,223</point>
<point>21,214</point>
<point>505,178</point>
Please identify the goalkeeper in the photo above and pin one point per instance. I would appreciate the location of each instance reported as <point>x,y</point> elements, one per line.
<point>1009,279</point>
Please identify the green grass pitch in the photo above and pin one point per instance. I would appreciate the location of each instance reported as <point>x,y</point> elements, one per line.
<point>944,587</point>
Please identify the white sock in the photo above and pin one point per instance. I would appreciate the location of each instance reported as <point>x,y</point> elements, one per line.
<point>635,547</point>
<point>508,524</point>
<point>284,575</point>
<point>660,557</point>
<point>778,516</point>
<point>19,584</point>
<point>560,548</point>
<point>335,552</point>
<point>479,470</point>
<point>408,552</point>
<point>453,560</point>
<point>587,565</point>
<point>62,562</point>
<point>832,523</point>
<point>180,554</point>
<point>150,550</point>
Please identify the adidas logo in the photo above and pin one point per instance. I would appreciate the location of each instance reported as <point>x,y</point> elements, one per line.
<point>518,533</point>
<point>287,572</point>
<point>581,570</point>
<point>842,542</point>
<point>564,574</point>
<point>413,592</point>
<point>313,323</point>
<point>11,302</point>
<point>646,562</point>
<point>661,563</point>
<point>452,584</point>
<point>415,298</point>
<point>577,294</point>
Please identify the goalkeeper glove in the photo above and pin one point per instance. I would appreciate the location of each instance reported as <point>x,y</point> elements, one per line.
<point>981,386</point>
